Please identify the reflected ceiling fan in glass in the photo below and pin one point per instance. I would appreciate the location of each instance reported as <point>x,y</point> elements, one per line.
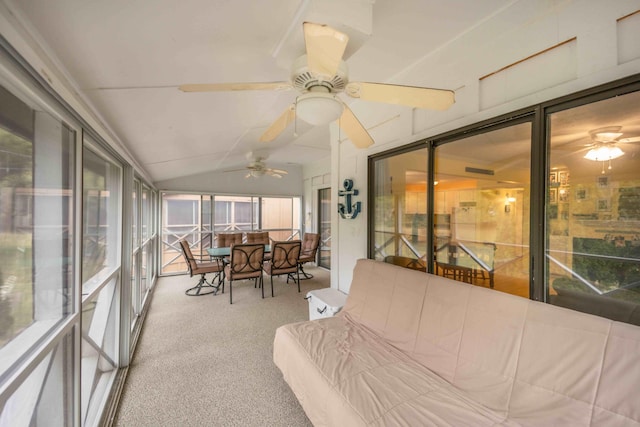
<point>605,148</point>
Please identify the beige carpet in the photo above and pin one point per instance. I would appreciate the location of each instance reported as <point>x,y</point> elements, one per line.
<point>203,362</point>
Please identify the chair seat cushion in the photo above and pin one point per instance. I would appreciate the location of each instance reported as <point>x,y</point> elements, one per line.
<point>270,270</point>
<point>239,276</point>
<point>207,267</point>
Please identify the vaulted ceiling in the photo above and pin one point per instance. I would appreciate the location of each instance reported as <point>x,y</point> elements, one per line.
<point>127,58</point>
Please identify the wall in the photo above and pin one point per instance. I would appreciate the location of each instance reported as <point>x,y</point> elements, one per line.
<point>538,50</point>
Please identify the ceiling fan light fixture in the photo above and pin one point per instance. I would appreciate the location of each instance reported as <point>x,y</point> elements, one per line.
<point>603,153</point>
<point>318,108</point>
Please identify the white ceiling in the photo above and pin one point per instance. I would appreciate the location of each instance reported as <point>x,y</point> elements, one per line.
<point>126,59</point>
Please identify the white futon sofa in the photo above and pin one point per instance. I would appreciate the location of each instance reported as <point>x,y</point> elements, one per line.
<point>415,349</point>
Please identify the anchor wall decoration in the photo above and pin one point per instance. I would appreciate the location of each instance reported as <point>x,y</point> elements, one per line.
<point>346,209</point>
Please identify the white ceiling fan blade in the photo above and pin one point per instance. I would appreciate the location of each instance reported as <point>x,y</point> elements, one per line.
<point>275,175</point>
<point>413,96</point>
<point>627,140</point>
<point>279,171</point>
<point>280,124</point>
<point>225,87</point>
<point>235,170</point>
<point>325,47</point>
<point>354,129</point>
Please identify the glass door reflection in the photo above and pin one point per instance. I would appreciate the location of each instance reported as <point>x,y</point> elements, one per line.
<point>481,209</point>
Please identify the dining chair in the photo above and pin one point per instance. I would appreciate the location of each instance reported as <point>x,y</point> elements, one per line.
<point>310,243</point>
<point>259,237</point>
<point>225,240</point>
<point>201,268</point>
<point>284,260</point>
<point>245,262</point>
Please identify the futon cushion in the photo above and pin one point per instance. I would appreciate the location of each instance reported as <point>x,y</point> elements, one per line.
<point>343,374</point>
<point>531,362</point>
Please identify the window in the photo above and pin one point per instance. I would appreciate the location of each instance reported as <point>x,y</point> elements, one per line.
<point>101,262</point>
<point>200,217</point>
<point>144,236</point>
<point>37,243</point>
<point>36,225</point>
<point>58,359</point>
<point>549,192</point>
<point>279,216</point>
<point>102,181</point>
<point>181,219</point>
<point>400,206</point>
<point>47,393</point>
<point>481,207</point>
<point>135,245</point>
<point>182,212</point>
<point>593,208</point>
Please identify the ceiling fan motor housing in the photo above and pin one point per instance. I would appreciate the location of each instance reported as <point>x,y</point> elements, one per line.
<point>256,165</point>
<point>304,80</point>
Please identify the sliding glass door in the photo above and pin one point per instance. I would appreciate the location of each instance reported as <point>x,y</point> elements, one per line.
<point>400,207</point>
<point>481,209</point>
<point>543,203</point>
<point>593,210</point>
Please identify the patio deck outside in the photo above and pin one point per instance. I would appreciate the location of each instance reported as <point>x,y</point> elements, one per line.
<point>191,216</point>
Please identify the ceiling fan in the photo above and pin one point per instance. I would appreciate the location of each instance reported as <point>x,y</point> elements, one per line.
<point>319,76</point>
<point>257,168</point>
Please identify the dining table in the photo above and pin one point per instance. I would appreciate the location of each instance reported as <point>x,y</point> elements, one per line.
<point>223,252</point>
